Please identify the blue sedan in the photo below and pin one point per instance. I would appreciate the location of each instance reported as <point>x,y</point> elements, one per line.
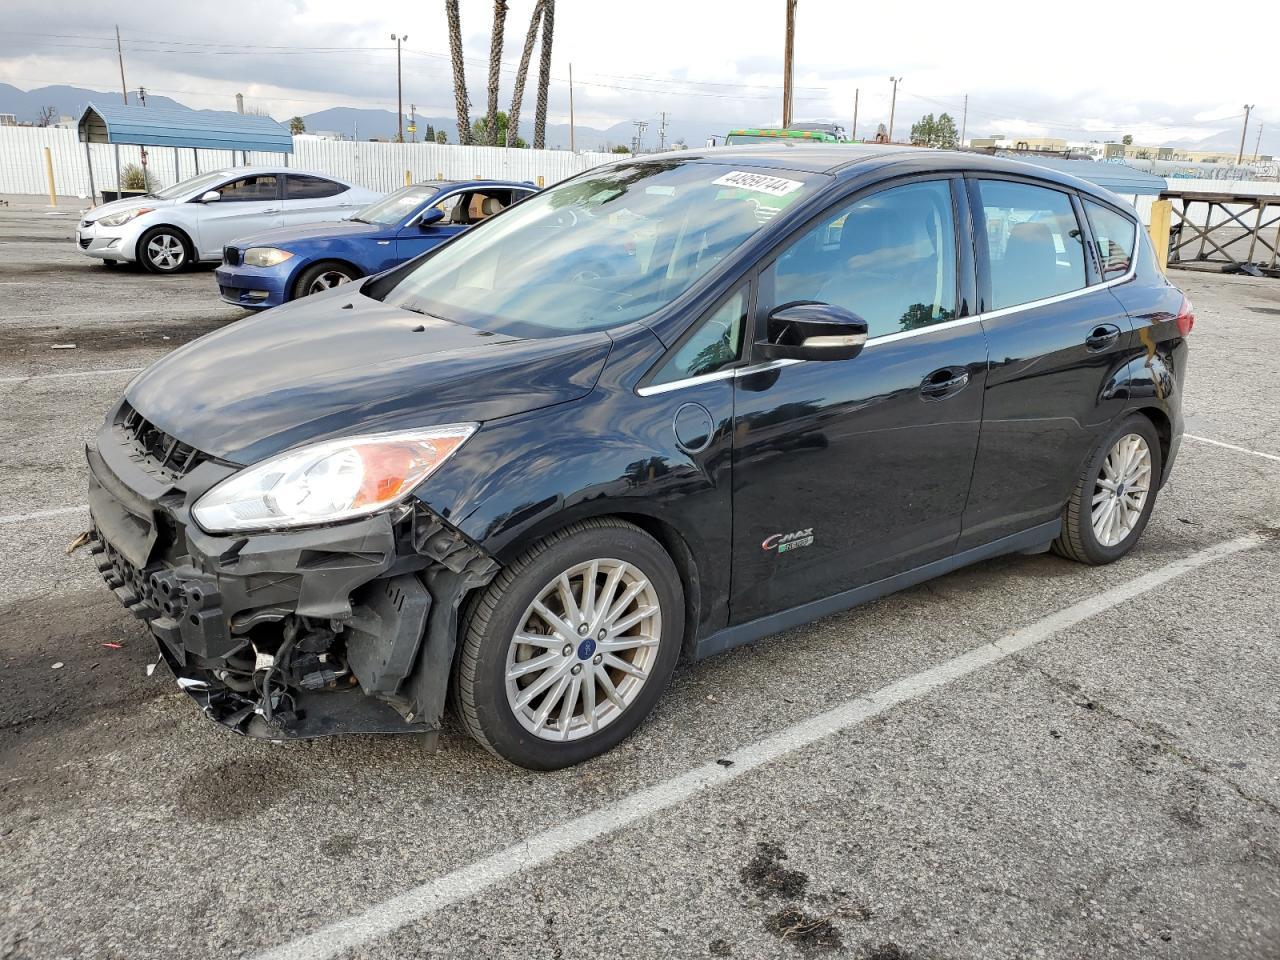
<point>267,269</point>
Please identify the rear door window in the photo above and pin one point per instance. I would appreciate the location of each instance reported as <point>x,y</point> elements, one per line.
<point>1114,235</point>
<point>301,187</point>
<point>1034,244</point>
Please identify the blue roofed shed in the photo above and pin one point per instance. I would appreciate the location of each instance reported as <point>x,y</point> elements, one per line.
<point>1119,178</point>
<point>167,127</point>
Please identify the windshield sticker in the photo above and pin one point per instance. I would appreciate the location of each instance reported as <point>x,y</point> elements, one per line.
<point>759,182</point>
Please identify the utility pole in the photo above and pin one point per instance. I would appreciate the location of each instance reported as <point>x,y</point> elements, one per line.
<point>638,140</point>
<point>142,96</point>
<point>572,149</point>
<point>893,104</point>
<point>1257,144</point>
<point>124,87</point>
<point>662,132</point>
<point>853,135</point>
<point>787,57</point>
<point>1248,109</point>
<point>404,38</point>
<point>964,119</point>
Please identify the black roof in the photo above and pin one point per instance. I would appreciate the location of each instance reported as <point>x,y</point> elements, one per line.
<point>844,160</point>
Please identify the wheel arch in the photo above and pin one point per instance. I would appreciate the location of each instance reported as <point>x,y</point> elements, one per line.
<point>647,518</point>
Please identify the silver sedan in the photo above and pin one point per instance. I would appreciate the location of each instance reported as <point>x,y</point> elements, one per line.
<point>192,220</point>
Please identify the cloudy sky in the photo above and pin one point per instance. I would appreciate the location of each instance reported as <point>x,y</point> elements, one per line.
<point>1097,74</point>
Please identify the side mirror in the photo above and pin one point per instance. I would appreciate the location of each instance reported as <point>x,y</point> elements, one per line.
<point>210,196</point>
<point>429,217</point>
<point>813,331</point>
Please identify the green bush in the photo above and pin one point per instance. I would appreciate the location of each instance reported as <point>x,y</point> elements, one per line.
<point>133,177</point>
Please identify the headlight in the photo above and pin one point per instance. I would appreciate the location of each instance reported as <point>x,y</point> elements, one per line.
<point>330,481</point>
<point>265,256</point>
<point>119,219</point>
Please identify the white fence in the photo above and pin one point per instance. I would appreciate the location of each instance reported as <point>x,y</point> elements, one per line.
<point>378,166</point>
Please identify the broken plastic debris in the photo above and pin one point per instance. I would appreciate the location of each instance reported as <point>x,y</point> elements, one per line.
<point>63,346</point>
<point>78,542</point>
<point>58,665</point>
<point>151,668</point>
<point>114,646</point>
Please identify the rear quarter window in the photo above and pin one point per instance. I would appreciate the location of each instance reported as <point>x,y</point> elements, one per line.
<point>1114,237</point>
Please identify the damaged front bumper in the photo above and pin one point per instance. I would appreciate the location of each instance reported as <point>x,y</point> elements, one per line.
<point>348,628</point>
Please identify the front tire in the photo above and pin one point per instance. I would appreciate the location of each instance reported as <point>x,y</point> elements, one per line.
<point>1114,495</point>
<point>571,645</point>
<point>164,250</point>
<point>322,276</point>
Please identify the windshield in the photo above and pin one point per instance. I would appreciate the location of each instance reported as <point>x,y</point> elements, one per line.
<point>392,209</point>
<point>603,249</point>
<point>196,184</point>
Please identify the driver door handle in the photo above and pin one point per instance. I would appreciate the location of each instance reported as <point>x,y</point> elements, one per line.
<point>944,383</point>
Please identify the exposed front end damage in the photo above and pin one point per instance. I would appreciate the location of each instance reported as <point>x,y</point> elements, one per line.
<point>348,628</point>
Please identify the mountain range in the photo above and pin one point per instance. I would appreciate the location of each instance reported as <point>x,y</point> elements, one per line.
<point>381,124</point>
<point>349,121</point>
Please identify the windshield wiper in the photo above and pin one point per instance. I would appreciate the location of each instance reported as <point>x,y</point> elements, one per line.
<point>355,219</point>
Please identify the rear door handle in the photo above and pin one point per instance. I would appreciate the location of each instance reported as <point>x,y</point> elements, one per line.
<point>944,383</point>
<point>1102,337</point>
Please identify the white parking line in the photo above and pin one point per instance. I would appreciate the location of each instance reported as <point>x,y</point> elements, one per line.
<point>1232,446</point>
<point>71,373</point>
<point>41,514</point>
<point>421,901</point>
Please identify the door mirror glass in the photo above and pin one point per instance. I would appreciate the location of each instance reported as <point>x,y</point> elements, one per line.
<point>813,331</point>
<point>429,217</point>
<point>210,196</point>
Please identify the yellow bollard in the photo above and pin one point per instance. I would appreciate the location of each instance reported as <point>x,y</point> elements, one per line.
<point>542,182</point>
<point>48,169</point>
<point>439,175</point>
<point>408,178</point>
<point>1161,215</point>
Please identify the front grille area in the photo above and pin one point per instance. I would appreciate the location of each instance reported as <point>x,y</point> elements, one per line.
<point>231,256</point>
<point>84,243</point>
<point>157,453</point>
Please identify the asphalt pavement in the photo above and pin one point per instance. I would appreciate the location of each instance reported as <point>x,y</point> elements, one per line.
<point>1027,758</point>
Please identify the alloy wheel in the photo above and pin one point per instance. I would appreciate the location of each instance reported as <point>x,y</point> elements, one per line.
<point>584,649</point>
<point>166,252</point>
<point>327,281</point>
<point>1121,490</point>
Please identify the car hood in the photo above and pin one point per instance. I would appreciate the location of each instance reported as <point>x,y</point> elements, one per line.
<point>127,203</point>
<point>326,230</point>
<point>339,363</point>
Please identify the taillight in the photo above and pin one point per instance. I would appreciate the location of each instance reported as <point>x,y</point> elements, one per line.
<point>1186,319</point>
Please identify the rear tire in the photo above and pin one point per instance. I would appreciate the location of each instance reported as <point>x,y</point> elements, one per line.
<point>164,250</point>
<point>1114,495</point>
<point>323,276</point>
<point>587,680</point>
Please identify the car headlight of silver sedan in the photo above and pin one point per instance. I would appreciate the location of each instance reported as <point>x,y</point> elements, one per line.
<point>265,256</point>
<point>123,217</point>
<point>329,481</point>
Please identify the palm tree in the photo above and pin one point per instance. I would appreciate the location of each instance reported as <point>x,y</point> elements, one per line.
<point>297,125</point>
<point>544,76</point>
<point>513,115</point>
<point>495,65</point>
<point>459,76</point>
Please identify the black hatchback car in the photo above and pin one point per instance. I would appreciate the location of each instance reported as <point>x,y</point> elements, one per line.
<point>664,408</point>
